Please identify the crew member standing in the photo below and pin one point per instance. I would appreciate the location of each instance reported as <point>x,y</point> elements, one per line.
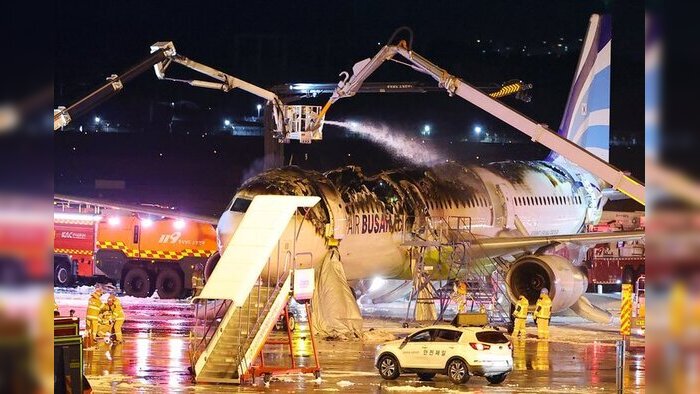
<point>459,295</point>
<point>92,315</point>
<point>543,312</point>
<point>114,306</point>
<point>520,314</point>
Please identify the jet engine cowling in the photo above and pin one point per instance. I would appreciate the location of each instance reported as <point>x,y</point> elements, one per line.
<point>530,274</point>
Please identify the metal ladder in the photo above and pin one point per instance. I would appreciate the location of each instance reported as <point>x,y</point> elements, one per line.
<point>484,290</point>
<point>453,239</point>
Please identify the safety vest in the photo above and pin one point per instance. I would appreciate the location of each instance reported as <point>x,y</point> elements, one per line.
<point>543,308</point>
<point>521,309</point>
<point>93,309</point>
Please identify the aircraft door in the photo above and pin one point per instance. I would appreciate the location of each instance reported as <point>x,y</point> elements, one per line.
<point>504,207</point>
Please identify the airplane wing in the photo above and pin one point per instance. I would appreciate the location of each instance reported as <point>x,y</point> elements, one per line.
<point>496,247</point>
<point>139,208</point>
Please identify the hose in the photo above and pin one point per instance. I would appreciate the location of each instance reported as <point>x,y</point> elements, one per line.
<point>397,31</point>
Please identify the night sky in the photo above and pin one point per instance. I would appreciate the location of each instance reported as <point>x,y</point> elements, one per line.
<point>269,43</point>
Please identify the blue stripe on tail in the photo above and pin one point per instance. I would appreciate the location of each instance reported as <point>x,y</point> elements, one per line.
<point>586,119</point>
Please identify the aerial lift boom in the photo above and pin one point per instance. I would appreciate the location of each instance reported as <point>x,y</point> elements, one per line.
<point>454,86</point>
<point>291,122</point>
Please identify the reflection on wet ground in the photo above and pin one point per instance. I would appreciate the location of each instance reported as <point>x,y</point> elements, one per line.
<point>155,358</point>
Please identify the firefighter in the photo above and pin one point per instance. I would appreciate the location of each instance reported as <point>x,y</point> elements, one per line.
<point>520,314</point>
<point>459,294</point>
<point>93,314</point>
<point>543,312</point>
<point>116,316</point>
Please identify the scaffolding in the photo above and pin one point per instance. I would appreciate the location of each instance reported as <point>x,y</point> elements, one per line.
<point>450,243</point>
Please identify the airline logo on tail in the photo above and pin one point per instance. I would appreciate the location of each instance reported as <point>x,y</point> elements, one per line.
<point>586,120</point>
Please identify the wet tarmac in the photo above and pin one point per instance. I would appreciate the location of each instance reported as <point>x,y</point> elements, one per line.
<point>155,358</point>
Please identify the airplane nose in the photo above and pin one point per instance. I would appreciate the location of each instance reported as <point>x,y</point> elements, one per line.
<point>228,223</point>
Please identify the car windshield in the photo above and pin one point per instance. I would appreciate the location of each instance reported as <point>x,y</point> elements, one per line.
<point>491,337</point>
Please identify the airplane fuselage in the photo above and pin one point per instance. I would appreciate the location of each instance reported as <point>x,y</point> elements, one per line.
<point>373,216</point>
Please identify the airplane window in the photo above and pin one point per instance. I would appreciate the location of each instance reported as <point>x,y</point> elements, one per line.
<point>240,205</point>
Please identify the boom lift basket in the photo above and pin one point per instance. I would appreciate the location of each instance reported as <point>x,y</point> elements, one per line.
<point>301,121</point>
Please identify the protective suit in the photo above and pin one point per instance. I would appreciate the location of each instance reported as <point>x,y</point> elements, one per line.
<point>543,312</point>
<point>92,315</point>
<point>116,315</point>
<point>459,295</point>
<point>520,314</point>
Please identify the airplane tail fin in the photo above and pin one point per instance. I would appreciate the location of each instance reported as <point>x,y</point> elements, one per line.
<point>586,119</point>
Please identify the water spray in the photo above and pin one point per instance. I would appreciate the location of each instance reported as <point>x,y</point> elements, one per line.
<point>398,143</point>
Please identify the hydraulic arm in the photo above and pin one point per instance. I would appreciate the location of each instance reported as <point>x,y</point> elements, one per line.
<point>455,86</point>
<point>290,122</point>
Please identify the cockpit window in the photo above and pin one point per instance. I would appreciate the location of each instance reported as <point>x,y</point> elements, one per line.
<point>240,205</point>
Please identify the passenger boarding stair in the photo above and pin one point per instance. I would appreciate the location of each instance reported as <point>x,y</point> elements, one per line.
<point>247,291</point>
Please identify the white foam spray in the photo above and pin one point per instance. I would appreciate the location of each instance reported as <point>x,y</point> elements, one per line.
<point>398,143</point>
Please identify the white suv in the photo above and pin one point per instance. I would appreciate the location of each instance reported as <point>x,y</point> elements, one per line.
<point>457,352</point>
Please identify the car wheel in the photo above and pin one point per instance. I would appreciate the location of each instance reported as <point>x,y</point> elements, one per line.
<point>458,371</point>
<point>497,379</point>
<point>138,283</point>
<point>388,367</point>
<point>169,284</point>
<point>426,375</point>
<point>291,323</point>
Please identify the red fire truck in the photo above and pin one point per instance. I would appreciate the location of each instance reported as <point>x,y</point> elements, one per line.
<point>142,253</point>
<point>611,264</point>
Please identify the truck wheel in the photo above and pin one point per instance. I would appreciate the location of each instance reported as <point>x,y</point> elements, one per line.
<point>169,284</point>
<point>138,283</point>
<point>62,275</point>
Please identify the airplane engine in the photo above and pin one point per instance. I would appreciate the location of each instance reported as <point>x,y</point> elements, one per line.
<point>530,274</point>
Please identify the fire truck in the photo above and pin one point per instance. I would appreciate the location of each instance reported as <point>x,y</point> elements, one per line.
<point>611,264</point>
<point>140,252</point>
